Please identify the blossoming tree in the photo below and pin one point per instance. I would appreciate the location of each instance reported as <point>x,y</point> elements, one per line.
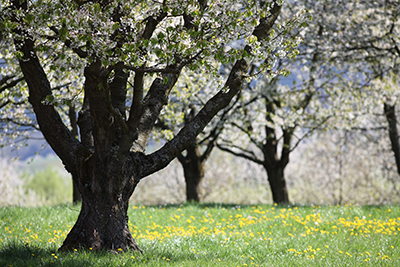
<point>116,49</point>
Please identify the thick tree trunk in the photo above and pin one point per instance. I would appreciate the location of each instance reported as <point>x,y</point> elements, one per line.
<point>103,222</point>
<point>100,225</point>
<point>193,168</point>
<point>277,182</point>
<point>95,232</point>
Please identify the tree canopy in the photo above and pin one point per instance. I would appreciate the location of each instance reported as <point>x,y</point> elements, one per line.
<point>117,62</point>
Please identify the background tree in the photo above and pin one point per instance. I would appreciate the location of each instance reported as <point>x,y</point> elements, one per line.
<point>181,111</point>
<point>274,116</point>
<point>106,42</point>
<point>269,117</point>
<point>363,37</point>
<point>378,50</point>
<point>346,46</point>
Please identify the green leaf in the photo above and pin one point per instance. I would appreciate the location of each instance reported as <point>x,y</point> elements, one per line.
<point>115,26</point>
<point>165,81</point>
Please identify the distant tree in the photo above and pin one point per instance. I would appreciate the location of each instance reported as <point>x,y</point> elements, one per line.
<point>270,120</point>
<point>193,159</point>
<point>346,46</point>
<point>274,114</point>
<point>104,43</point>
<point>368,40</point>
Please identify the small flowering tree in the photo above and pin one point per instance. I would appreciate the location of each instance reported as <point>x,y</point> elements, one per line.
<point>345,47</point>
<point>193,90</point>
<point>274,114</point>
<point>363,37</point>
<point>126,57</point>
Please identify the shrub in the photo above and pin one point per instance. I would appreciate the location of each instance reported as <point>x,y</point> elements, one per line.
<point>52,187</point>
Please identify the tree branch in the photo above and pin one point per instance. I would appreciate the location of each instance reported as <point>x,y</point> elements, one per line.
<point>22,124</point>
<point>155,99</point>
<point>252,158</point>
<point>11,84</point>
<point>161,158</point>
<point>54,130</point>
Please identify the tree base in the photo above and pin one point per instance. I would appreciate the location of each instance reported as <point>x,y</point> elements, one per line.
<point>99,229</point>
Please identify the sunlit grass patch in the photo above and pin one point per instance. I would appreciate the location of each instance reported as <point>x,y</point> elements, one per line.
<point>220,235</point>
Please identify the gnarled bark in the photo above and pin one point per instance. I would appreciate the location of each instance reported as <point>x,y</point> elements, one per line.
<point>102,222</point>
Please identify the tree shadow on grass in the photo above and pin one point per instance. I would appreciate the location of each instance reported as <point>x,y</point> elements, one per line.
<point>20,255</point>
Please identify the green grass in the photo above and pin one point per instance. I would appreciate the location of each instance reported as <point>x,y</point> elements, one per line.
<point>214,235</point>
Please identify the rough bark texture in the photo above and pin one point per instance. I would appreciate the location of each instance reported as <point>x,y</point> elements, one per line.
<point>102,222</point>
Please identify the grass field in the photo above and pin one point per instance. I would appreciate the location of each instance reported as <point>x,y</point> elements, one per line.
<point>214,235</point>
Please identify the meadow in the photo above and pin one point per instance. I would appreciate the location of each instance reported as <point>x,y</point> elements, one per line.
<point>214,235</point>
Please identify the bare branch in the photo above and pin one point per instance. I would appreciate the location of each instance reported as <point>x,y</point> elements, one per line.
<point>250,157</point>
<point>11,84</point>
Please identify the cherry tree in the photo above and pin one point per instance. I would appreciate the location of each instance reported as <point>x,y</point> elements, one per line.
<point>274,114</point>
<point>116,48</point>
<point>366,39</point>
<point>346,46</point>
<point>192,93</point>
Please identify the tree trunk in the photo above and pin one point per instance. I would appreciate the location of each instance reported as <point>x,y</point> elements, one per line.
<point>393,132</point>
<point>103,221</point>
<point>194,173</point>
<point>96,233</point>
<point>193,179</point>
<point>76,196</point>
<point>274,165</point>
<point>193,169</point>
<point>276,179</point>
